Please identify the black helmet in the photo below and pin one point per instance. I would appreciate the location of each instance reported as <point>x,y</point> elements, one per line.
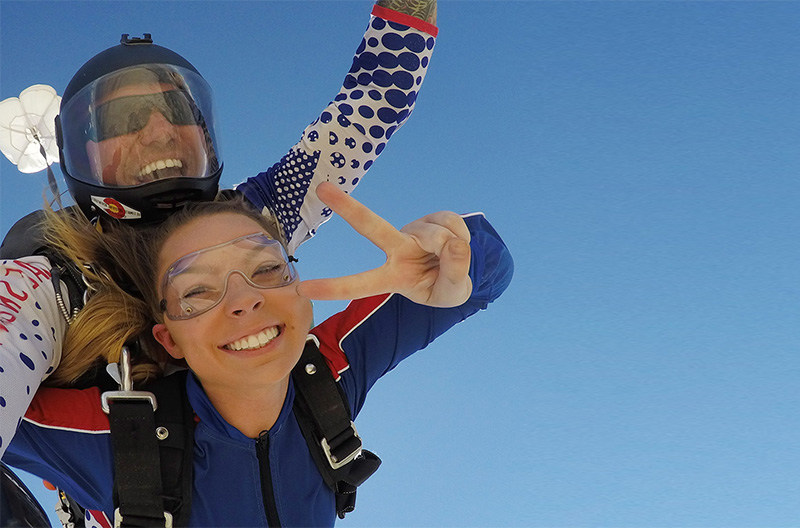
<point>136,133</point>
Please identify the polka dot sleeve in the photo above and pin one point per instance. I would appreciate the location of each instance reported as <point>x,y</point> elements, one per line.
<point>31,332</point>
<point>377,97</point>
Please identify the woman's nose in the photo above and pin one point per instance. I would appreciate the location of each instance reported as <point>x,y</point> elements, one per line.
<point>241,298</point>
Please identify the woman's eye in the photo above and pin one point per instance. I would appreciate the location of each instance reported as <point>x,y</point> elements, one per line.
<point>197,292</point>
<point>267,269</point>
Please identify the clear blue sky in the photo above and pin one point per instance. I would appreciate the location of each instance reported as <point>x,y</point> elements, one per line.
<point>642,161</point>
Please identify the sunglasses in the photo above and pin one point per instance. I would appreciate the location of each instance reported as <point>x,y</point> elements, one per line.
<point>197,282</point>
<point>129,114</point>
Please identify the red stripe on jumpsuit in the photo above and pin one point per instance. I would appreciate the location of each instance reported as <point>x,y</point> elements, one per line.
<point>333,330</point>
<point>72,409</point>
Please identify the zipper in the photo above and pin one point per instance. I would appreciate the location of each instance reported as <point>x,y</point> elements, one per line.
<point>267,491</point>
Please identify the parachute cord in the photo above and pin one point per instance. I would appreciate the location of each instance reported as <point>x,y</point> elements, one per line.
<point>51,179</point>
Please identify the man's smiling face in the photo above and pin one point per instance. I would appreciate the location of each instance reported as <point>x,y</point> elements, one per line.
<point>150,147</point>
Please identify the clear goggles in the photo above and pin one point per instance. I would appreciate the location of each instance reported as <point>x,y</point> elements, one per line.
<point>197,282</point>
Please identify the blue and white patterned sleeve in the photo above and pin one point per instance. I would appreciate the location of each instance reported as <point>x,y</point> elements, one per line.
<point>31,332</point>
<point>377,97</point>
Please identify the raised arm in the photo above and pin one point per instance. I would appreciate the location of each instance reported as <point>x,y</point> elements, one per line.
<point>378,95</point>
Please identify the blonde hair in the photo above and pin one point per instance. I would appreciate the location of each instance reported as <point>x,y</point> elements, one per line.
<point>120,264</point>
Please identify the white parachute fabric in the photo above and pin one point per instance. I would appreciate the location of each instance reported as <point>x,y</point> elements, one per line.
<point>28,130</point>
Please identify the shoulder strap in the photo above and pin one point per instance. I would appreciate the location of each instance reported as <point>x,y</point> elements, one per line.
<point>153,454</point>
<point>323,414</point>
<point>174,420</point>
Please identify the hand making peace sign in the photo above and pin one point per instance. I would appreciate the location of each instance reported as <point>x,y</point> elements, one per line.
<point>427,261</point>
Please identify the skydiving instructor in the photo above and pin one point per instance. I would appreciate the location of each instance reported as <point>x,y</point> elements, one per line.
<point>137,141</point>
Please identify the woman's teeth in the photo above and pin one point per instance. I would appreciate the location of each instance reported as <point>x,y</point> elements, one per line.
<point>158,165</point>
<point>254,341</point>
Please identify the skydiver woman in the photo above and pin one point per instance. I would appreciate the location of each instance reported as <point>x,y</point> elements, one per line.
<point>219,293</point>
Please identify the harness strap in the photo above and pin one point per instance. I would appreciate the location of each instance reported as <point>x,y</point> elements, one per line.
<point>153,455</point>
<point>175,432</point>
<point>325,421</point>
<point>137,466</point>
<point>137,481</point>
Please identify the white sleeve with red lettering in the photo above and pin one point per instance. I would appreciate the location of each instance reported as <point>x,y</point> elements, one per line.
<point>31,332</point>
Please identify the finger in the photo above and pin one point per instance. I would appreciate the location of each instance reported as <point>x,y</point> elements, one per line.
<point>453,285</point>
<point>360,217</point>
<point>358,286</point>
<point>434,230</point>
<point>451,221</point>
<point>446,220</point>
<point>430,237</point>
<point>455,259</point>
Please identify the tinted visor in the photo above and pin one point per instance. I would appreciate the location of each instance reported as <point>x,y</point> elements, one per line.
<point>197,282</point>
<point>140,124</point>
<point>126,115</point>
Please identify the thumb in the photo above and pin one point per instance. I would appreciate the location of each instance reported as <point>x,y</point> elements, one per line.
<point>453,285</point>
<point>454,260</point>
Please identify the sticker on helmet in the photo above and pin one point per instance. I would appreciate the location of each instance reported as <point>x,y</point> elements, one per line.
<point>115,209</point>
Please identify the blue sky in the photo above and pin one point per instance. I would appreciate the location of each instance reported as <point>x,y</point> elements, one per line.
<point>641,161</point>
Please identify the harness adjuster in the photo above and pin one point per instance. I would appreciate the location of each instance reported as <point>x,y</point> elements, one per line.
<point>347,447</point>
<point>118,519</point>
<point>107,397</point>
<point>126,392</point>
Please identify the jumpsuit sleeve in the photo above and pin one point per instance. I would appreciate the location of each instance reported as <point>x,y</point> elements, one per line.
<point>31,335</point>
<point>373,335</point>
<point>376,99</point>
<point>65,439</point>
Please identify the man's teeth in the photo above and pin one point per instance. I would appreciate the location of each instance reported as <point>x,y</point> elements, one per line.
<point>254,341</point>
<point>160,164</point>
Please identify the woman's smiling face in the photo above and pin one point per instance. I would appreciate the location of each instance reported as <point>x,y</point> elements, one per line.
<point>253,336</point>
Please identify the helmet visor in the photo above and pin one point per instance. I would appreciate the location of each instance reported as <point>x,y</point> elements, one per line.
<point>197,282</point>
<point>138,125</point>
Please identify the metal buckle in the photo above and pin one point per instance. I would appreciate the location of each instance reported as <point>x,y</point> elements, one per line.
<point>118,519</point>
<point>333,460</point>
<point>126,391</point>
<point>107,397</point>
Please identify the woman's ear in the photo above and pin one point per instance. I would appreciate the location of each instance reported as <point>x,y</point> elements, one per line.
<point>162,335</point>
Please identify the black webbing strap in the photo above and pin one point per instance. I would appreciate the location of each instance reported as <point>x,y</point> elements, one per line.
<point>324,417</point>
<point>137,482</point>
<point>175,432</point>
